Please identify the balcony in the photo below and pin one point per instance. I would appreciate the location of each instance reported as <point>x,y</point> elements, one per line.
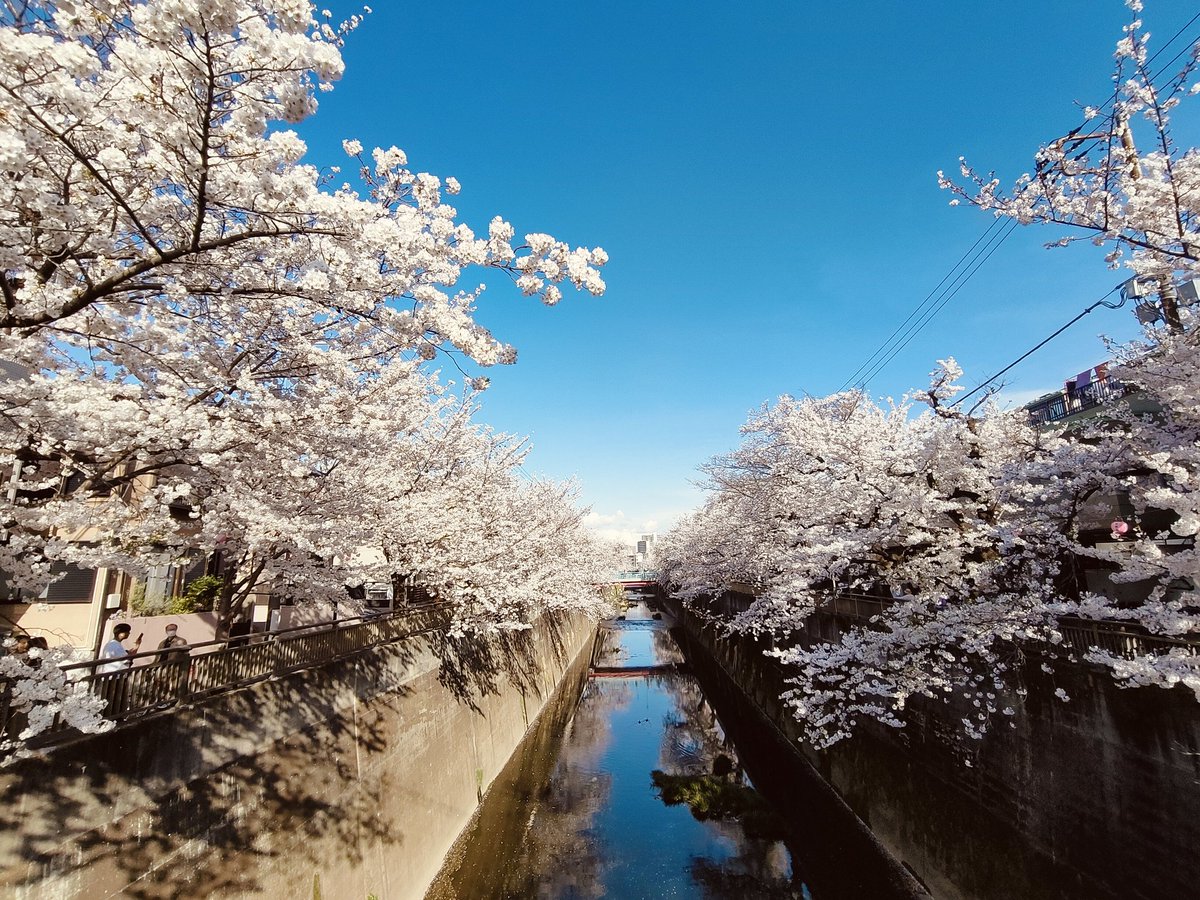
<point>1084,392</point>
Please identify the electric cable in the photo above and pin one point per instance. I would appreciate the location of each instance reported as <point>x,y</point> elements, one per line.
<point>1082,149</point>
<point>1103,301</point>
<point>916,310</point>
<point>874,369</point>
<point>947,296</point>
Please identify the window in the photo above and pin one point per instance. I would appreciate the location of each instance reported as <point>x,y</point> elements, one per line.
<point>74,586</point>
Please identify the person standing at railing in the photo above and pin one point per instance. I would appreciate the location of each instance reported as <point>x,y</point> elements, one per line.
<point>115,650</point>
<point>173,658</point>
<point>172,648</point>
<point>116,690</point>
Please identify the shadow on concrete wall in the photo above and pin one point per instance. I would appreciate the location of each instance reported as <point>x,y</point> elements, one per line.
<point>275,803</point>
<point>254,791</point>
<point>1092,798</point>
<point>473,667</point>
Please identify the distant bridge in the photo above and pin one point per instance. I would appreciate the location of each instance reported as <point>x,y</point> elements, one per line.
<point>637,578</point>
<point>635,671</point>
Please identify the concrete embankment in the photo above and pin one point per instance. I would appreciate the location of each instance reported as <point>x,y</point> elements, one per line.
<point>341,781</point>
<point>843,858</point>
<point>1091,798</point>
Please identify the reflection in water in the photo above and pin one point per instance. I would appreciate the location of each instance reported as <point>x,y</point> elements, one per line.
<point>720,797</point>
<point>647,798</point>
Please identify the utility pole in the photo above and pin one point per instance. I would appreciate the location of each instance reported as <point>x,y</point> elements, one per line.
<point>1168,299</point>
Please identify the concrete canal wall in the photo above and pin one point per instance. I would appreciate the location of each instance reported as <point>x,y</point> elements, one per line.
<point>1093,798</point>
<point>344,781</point>
<point>839,855</point>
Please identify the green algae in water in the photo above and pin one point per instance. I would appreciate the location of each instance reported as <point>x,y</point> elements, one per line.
<point>719,797</point>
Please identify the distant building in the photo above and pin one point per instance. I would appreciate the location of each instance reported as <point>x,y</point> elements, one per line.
<point>1089,396</point>
<point>644,550</point>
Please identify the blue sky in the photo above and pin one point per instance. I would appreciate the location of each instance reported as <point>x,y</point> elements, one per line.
<point>762,176</point>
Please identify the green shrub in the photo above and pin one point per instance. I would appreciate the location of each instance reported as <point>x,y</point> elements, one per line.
<point>179,605</point>
<point>139,605</point>
<point>201,595</point>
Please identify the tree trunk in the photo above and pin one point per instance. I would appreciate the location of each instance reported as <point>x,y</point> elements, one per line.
<point>225,608</point>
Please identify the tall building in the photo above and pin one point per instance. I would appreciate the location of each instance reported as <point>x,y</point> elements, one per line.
<point>644,552</point>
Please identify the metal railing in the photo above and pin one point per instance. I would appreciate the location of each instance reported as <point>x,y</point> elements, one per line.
<point>1063,405</point>
<point>186,674</point>
<point>636,576</point>
<point>1119,639</point>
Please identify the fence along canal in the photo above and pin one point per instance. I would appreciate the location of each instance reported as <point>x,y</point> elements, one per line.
<point>156,680</point>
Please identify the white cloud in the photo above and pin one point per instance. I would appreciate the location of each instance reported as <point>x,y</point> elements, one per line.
<point>619,527</point>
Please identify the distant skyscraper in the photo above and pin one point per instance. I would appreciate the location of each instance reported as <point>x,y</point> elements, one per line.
<point>644,554</point>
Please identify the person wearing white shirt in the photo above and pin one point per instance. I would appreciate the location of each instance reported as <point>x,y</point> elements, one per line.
<point>115,650</point>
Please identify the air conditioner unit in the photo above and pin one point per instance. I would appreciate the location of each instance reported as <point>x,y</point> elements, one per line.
<point>1189,293</point>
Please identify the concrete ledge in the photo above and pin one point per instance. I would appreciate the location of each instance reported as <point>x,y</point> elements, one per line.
<point>828,828</point>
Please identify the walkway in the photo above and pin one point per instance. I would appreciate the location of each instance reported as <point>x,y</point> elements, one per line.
<point>215,667</point>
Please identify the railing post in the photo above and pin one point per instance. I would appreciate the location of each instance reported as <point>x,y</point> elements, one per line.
<point>183,674</point>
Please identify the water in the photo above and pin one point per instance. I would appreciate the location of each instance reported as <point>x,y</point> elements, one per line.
<point>634,792</point>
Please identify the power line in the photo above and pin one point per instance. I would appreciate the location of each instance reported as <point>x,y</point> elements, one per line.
<point>1116,91</point>
<point>1183,28</point>
<point>1174,58</point>
<point>1103,301</point>
<point>873,367</point>
<point>882,347</point>
<point>946,297</point>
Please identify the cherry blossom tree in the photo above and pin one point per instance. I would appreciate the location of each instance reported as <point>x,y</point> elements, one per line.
<point>193,302</point>
<point>970,535</point>
<point>1151,460</point>
<point>840,498</point>
<point>1123,182</point>
<point>40,689</point>
<point>502,546</point>
<point>1119,180</point>
<point>211,345</point>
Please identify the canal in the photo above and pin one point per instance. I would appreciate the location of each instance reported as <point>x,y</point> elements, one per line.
<point>629,786</point>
